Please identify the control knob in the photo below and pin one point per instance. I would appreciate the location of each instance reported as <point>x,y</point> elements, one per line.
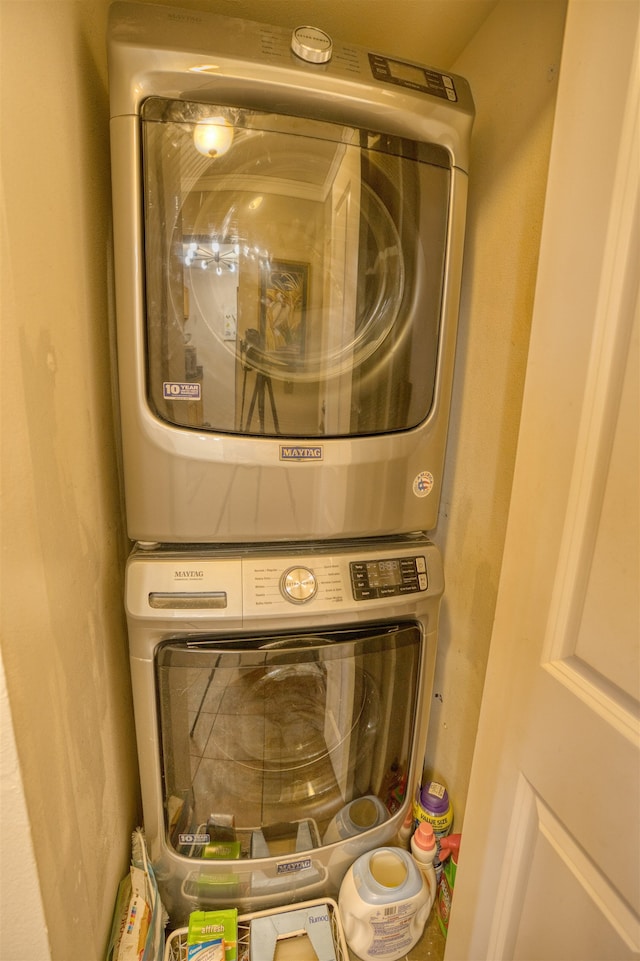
<point>312,44</point>
<point>298,585</point>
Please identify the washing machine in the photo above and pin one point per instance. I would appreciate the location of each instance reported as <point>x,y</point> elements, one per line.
<point>289,216</point>
<point>281,701</point>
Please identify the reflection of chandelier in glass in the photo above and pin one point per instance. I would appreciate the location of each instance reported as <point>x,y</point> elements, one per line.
<point>213,136</point>
<point>214,256</point>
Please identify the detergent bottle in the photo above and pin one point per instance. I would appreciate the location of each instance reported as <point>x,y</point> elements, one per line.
<point>403,837</point>
<point>432,805</point>
<point>424,851</point>
<point>384,904</point>
<point>356,817</point>
<point>449,851</point>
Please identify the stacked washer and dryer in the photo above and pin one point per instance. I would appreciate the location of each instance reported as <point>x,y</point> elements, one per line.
<point>288,231</point>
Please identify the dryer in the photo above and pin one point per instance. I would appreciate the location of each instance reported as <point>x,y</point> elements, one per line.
<point>281,701</point>
<point>288,226</point>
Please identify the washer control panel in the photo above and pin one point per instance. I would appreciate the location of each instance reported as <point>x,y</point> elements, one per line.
<point>389,577</point>
<point>237,586</point>
<point>340,580</point>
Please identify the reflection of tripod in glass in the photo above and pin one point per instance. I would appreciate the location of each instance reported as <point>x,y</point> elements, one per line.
<point>249,350</point>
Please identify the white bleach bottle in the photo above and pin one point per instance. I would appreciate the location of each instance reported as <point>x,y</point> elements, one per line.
<point>384,904</point>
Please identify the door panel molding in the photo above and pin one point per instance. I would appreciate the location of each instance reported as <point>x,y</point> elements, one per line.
<point>536,838</point>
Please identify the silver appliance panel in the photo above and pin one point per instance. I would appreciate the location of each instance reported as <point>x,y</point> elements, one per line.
<point>157,50</point>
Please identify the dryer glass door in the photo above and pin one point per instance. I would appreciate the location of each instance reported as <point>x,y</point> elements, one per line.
<point>294,272</point>
<point>266,743</point>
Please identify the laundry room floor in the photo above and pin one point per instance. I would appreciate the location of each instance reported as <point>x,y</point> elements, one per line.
<point>430,947</point>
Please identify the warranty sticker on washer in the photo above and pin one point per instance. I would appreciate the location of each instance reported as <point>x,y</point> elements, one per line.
<point>176,390</point>
<point>423,483</point>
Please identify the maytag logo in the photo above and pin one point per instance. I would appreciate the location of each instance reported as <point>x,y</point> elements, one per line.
<point>188,575</point>
<point>291,866</point>
<point>300,453</point>
<point>184,18</point>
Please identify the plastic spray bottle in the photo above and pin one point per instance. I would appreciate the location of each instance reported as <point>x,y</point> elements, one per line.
<point>449,850</point>
<point>424,851</point>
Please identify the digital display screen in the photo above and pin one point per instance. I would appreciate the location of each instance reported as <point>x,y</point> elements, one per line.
<point>414,76</point>
<point>384,573</point>
<point>405,71</point>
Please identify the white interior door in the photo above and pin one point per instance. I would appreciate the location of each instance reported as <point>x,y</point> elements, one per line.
<point>549,866</point>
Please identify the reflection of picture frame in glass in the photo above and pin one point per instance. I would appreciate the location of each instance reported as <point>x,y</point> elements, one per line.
<point>284,288</point>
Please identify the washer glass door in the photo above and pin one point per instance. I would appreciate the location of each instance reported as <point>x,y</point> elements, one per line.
<point>294,272</point>
<point>278,745</point>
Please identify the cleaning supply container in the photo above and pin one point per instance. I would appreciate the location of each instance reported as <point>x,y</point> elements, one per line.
<point>432,805</point>
<point>384,904</point>
<point>450,850</point>
<point>403,837</point>
<point>425,852</point>
<point>354,818</point>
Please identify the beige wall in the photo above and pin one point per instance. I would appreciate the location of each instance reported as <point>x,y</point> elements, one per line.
<point>512,65</point>
<point>63,637</point>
